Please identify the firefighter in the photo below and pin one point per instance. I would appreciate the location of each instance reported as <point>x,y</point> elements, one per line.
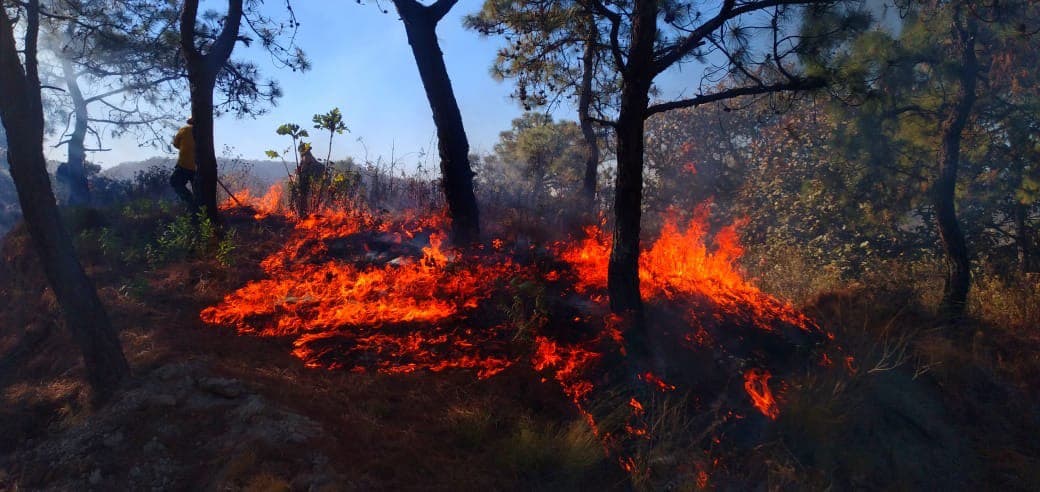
<point>309,176</point>
<point>184,171</point>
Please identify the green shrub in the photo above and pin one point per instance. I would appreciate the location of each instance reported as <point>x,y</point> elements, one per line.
<point>183,239</point>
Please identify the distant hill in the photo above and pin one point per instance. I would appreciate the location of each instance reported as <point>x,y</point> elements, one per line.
<point>263,171</point>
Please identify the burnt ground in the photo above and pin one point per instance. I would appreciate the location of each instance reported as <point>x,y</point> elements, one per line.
<point>210,410</point>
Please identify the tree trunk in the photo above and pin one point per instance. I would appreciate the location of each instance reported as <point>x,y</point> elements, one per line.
<point>1020,211</point>
<point>75,174</point>
<point>205,185</point>
<point>623,269</point>
<point>202,79</point>
<point>456,175</point>
<point>958,263</point>
<point>1022,237</point>
<point>588,61</point>
<point>22,112</point>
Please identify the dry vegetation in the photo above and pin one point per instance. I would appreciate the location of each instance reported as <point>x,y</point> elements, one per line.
<point>912,409</point>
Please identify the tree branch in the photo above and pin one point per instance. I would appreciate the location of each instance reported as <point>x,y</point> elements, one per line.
<point>440,8</point>
<point>188,22</point>
<point>792,85</point>
<point>32,35</point>
<point>728,11</point>
<point>221,49</point>
<point>131,87</point>
<point>615,27</point>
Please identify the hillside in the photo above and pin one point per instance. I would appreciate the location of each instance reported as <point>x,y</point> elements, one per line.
<point>265,172</point>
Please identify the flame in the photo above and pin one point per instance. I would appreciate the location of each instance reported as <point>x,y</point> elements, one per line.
<point>680,264</point>
<point>756,383</point>
<point>358,292</point>
<point>333,306</point>
<point>267,204</point>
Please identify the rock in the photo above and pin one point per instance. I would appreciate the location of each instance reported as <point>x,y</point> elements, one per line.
<point>154,446</point>
<point>226,388</point>
<point>252,407</point>
<point>176,375</point>
<point>112,440</point>
<point>95,477</point>
<point>160,401</point>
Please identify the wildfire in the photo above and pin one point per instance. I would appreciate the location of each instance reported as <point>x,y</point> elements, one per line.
<point>340,310</point>
<point>267,204</point>
<point>680,264</point>
<point>357,292</point>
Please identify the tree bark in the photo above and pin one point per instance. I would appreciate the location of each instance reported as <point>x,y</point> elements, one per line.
<point>21,109</point>
<point>955,248</point>
<point>75,174</point>
<point>588,61</point>
<point>623,269</point>
<point>420,24</point>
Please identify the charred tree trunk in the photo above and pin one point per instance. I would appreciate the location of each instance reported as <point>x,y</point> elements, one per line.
<point>420,24</point>
<point>958,263</point>
<point>588,61</point>
<point>74,174</point>
<point>202,76</point>
<point>623,269</point>
<point>21,109</point>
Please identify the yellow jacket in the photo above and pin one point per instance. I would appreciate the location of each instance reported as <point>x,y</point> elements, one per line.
<point>185,142</point>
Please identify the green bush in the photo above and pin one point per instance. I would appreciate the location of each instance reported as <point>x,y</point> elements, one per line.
<point>183,239</point>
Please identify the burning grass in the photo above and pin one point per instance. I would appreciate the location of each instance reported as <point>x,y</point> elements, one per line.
<point>359,292</point>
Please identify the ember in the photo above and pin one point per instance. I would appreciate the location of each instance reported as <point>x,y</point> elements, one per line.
<point>756,382</point>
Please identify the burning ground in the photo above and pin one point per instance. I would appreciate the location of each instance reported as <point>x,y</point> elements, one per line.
<point>360,293</point>
<point>358,350</point>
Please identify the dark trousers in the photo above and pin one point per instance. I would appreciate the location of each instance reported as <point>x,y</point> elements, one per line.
<point>179,181</point>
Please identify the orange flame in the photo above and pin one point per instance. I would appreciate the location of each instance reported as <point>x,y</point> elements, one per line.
<point>680,263</point>
<point>756,383</point>
<point>357,292</point>
<point>268,204</point>
<point>320,304</point>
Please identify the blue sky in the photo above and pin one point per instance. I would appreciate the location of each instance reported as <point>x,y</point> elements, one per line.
<point>362,64</point>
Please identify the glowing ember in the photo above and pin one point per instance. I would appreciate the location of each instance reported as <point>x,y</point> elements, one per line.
<point>756,383</point>
<point>657,382</point>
